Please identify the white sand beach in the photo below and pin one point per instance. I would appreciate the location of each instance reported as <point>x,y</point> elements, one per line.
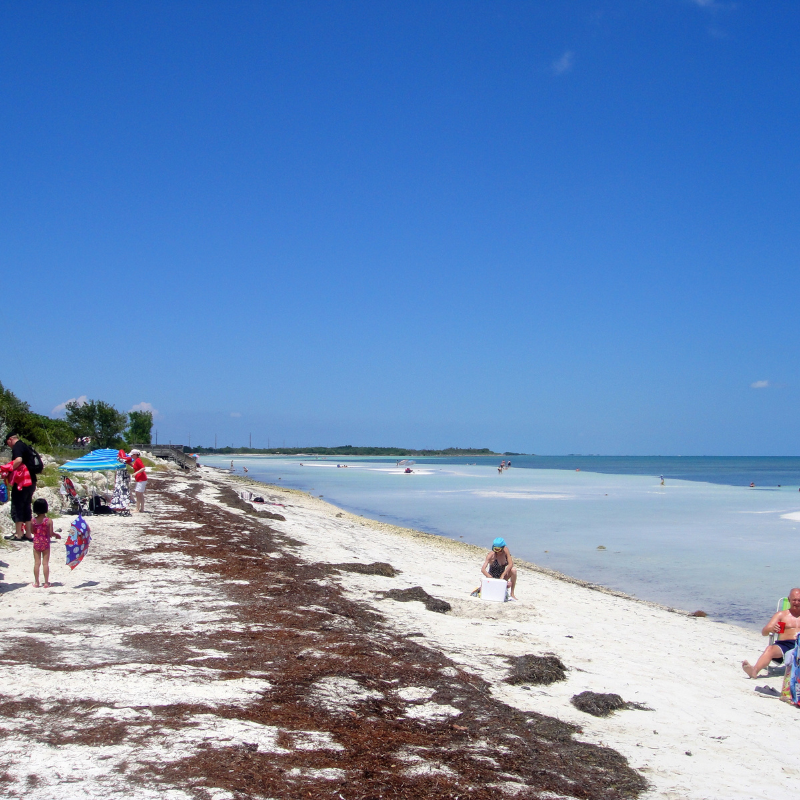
<point>138,661</point>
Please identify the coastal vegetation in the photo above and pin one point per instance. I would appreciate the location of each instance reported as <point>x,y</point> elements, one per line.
<point>140,427</point>
<point>16,415</point>
<point>348,450</point>
<point>108,427</point>
<point>96,419</point>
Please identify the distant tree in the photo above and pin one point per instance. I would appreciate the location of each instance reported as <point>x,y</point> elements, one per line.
<point>45,431</point>
<point>141,428</point>
<point>97,419</point>
<point>12,410</point>
<point>15,415</point>
<point>81,418</point>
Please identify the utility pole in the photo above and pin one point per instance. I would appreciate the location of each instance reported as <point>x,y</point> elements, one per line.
<point>251,441</point>
<point>215,441</point>
<point>156,435</point>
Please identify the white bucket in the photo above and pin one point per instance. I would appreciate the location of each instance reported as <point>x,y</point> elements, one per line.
<point>493,590</point>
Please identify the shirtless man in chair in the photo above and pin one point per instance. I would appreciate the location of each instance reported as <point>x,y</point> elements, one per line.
<point>786,624</point>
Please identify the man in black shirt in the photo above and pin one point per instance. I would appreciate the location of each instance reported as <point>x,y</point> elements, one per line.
<point>21,498</point>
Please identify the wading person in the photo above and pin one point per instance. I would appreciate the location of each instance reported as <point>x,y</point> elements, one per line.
<point>786,624</point>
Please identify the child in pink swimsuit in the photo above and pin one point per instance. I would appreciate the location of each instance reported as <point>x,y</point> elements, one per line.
<point>42,534</point>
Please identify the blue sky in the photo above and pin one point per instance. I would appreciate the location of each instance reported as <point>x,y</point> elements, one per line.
<point>536,226</point>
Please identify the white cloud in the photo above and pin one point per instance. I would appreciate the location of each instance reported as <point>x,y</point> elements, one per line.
<point>62,407</point>
<point>767,385</point>
<point>145,407</point>
<point>564,64</point>
<point>715,5</point>
<point>235,414</point>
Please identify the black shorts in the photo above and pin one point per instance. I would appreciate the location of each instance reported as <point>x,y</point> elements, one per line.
<point>786,645</point>
<point>21,503</point>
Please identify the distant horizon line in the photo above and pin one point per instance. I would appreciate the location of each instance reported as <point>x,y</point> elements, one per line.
<point>465,452</point>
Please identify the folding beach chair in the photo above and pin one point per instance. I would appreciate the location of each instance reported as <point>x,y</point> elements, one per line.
<point>783,605</point>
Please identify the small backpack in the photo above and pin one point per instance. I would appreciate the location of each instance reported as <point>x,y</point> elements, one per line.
<point>36,462</point>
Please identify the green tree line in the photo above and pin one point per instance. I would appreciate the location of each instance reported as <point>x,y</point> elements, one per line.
<point>104,424</point>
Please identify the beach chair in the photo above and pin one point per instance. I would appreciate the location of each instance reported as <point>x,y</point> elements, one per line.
<point>783,605</point>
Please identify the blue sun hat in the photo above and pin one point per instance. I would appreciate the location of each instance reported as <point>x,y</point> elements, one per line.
<point>499,542</point>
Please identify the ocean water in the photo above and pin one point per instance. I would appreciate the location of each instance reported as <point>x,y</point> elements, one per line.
<point>705,540</point>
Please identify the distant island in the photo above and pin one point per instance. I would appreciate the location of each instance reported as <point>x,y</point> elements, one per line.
<point>349,450</point>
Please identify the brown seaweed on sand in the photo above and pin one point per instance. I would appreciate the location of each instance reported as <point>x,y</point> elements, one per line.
<point>394,718</point>
<point>540,670</point>
<point>418,593</point>
<point>601,705</point>
<point>376,568</point>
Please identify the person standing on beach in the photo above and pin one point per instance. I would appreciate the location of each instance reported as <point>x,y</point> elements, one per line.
<point>42,534</point>
<point>499,565</point>
<point>140,477</point>
<point>21,497</point>
<point>787,625</point>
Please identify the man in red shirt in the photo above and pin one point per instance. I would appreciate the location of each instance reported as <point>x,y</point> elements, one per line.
<point>140,477</point>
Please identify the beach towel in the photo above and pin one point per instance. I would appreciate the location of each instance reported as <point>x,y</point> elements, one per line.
<point>78,542</point>
<point>19,477</point>
<point>121,499</point>
<point>790,692</point>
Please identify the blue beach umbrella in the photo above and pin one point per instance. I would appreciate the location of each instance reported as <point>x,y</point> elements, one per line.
<point>96,461</point>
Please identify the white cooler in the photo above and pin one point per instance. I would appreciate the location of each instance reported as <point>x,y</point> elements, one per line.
<point>493,590</point>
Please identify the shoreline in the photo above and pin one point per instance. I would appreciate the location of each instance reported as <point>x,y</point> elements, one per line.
<point>654,559</point>
<point>476,550</point>
<point>274,668</point>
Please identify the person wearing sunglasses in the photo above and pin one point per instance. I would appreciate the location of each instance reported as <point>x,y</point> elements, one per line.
<point>499,564</point>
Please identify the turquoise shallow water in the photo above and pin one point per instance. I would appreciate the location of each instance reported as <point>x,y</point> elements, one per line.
<point>693,544</point>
